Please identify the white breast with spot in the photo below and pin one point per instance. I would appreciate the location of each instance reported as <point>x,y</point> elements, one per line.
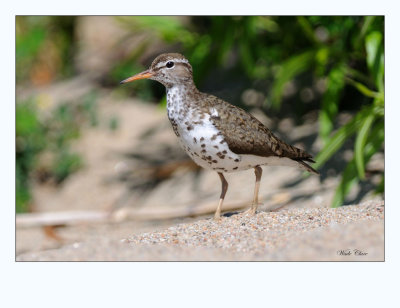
<point>199,137</point>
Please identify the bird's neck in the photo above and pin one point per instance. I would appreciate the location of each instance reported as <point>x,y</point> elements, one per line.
<point>183,94</point>
<point>187,87</point>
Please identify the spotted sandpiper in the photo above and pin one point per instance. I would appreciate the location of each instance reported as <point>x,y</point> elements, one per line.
<point>216,134</point>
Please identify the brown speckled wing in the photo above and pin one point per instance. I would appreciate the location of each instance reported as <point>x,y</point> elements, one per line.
<point>245,134</point>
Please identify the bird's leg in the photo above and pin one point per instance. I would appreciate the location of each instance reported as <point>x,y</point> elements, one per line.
<point>258,173</point>
<point>221,198</point>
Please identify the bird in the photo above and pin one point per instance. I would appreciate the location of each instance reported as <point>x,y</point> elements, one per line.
<point>216,134</point>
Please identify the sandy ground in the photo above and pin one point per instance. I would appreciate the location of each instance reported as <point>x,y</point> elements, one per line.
<point>351,233</point>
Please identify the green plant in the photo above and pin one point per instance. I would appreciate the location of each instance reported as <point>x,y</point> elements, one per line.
<point>354,58</point>
<point>43,150</point>
<point>65,164</point>
<point>113,123</point>
<point>367,124</point>
<point>44,45</point>
<point>30,141</point>
<point>89,104</point>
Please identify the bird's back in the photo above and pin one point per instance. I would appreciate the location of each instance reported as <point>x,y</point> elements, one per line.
<point>247,135</point>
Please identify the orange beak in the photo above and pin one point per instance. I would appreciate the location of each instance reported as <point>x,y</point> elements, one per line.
<point>143,75</point>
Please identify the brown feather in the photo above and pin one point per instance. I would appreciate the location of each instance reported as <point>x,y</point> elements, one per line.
<point>247,135</point>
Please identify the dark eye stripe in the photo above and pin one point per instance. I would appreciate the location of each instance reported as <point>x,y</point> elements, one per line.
<point>188,67</point>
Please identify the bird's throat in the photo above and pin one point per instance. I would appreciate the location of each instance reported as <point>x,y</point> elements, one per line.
<point>181,96</point>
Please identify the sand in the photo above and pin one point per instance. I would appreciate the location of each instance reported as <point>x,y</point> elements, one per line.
<point>349,233</point>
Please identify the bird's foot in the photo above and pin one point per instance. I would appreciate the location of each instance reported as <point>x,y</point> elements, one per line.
<point>217,216</point>
<point>252,211</point>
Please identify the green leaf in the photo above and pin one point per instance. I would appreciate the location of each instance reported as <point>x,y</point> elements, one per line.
<point>338,139</point>
<point>336,142</point>
<point>307,28</point>
<point>226,45</point>
<point>366,25</point>
<point>349,178</point>
<point>364,89</point>
<point>349,175</point>
<point>357,75</point>
<point>246,57</point>
<point>65,164</point>
<point>375,139</point>
<point>27,120</point>
<point>267,23</point>
<point>375,57</point>
<point>288,70</point>
<point>29,45</point>
<point>360,144</point>
<point>322,58</point>
<point>168,28</point>
<point>330,101</point>
<point>381,186</point>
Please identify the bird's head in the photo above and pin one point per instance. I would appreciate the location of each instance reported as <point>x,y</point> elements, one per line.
<point>169,69</point>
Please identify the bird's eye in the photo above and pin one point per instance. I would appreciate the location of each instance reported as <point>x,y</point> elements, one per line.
<point>170,64</point>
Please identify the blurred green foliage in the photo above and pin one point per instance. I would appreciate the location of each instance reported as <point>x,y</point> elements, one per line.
<point>113,123</point>
<point>43,143</point>
<point>339,52</point>
<point>44,46</point>
<point>29,142</point>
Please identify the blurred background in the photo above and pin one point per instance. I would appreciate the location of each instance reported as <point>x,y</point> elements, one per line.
<point>92,150</point>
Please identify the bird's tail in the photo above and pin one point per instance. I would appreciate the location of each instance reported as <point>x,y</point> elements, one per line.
<point>308,167</point>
